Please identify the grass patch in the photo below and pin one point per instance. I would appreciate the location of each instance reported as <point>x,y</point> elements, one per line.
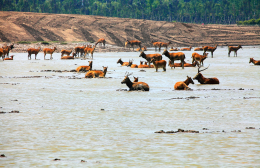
<point>23,42</point>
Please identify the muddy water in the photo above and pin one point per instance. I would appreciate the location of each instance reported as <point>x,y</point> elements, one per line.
<point>87,119</point>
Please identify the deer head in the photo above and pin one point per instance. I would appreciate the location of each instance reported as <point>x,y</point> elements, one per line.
<point>126,79</point>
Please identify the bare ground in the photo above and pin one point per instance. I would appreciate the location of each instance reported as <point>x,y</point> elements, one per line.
<point>26,26</point>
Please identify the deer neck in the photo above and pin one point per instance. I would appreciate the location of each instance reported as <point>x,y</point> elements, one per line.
<point>129,83</point>
<point>202,79</point>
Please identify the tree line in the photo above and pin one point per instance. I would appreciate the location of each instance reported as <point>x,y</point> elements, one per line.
<point>189,11</point>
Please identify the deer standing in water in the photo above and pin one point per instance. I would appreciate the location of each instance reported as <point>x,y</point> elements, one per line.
<point>209,48</point>
<point>183,85</point>
<point>135,85</point>
<point>232,48</point>
<point>202,80</point>
<point>33,51</point>
<point>175,56</point>
<point>101,41</point>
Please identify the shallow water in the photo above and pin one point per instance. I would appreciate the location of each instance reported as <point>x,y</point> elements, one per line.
<point>63,118</point>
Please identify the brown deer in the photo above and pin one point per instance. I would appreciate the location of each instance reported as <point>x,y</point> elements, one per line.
<point>133,65</point>
<point>183,85</point>
<point>159,64</point>
<point>2,53</point>
<point>11,58</point>
<point>135,85</point>
<point>175,56</point>
<point>202,80</point>
<point>156,44</point>
<point>123,63</point>
<point>173,49</point>
<point>232,48</point>
<point>49,51</point>
<point>101,41</point>
<point>65,52</point>
<point>186,49</point>
<point>85,68</point>
<point>69,57</point>
<point>255,62</point>
<point>199,49</point>
<point>132,43</point>
<point>96,73</point>
<point>195,63</point>
<point>90,50</point>
<point>149,57</point>
<point>141,49</point>
<point>163,44</point>
<point>79,50</point>
<point>7,49</point>
<point>211,49</point>
<point>33,51</point>
<point>135,79</point>
<point>197,57</point>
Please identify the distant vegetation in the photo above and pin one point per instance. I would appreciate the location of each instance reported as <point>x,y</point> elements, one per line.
<point>249,22</point>
<point>190,11</point>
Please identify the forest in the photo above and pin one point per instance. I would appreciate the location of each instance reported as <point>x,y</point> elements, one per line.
<point>188,11</point>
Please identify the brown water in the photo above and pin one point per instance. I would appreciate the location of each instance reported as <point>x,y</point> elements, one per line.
<point>62,118</point>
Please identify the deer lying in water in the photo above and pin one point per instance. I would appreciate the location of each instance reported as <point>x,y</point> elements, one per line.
<point>133,65</point>
<point>69,57</point>
<point>65,52</point>
<point>232,48</point>
<point>186,49</point>
<point>159,64</point>
<point>96,73</point>
<point>149,57</point>
<point>202,80</point>
<point>11,58</point>
<point>141,49</point>
<point>183,85</point>
<point>85,68</point>
<point>49,51</point>
<point>123,63</point>
<point>132,43</point>
<point>101,41</point>
<point>175,56</point>
<point>211,49</point>
<point>173,49</point>
<point>199,49</point>
<point>197,57</point>
<point>255,62</point>
<point>33,51</point>
<point>135,85</point>
<point>195,63</point>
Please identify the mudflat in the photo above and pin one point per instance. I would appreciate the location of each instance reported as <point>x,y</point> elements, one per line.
<point>28,26</point>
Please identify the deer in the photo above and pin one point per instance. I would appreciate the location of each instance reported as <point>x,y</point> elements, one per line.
<point>88,50</point>
<point>173,49</point>
<point>101,41</point>
<point>255,62</point>
<point>85,68</point>
<point>132,43</point>
<point>195,63</point>
<point>232,48</point>
<point>141,49</point>
<point>7,49</point>
<point>199,49</point>
<point>159,64</point>
<point>49,51</point>
<point>197,57</point>
<point>69,57</point>
<point>11,58</point>
<point>2,53</point>
<point>163,44</point>
<point>65,52</point>
<point>96,73</point>
<point>79,50</point>
<point>149,57</point>
<point>133,65</point>
<point>33,51</point>
<point>186,49</point>
<point>175,56</point>
<point>156,44</point>
<point>123,63</point>
<point>134,85</point>
<point>209,48</point>
<point>202,80</point>
<point>183,85</point>
<point>135,79</point>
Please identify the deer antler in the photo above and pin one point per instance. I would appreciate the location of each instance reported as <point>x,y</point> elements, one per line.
<point>202,69</point>
<point>128,74</point>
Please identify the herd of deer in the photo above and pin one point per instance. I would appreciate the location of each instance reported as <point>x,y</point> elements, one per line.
<point>155,59</point>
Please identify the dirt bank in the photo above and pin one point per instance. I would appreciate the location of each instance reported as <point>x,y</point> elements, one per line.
<point>26,26</point>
